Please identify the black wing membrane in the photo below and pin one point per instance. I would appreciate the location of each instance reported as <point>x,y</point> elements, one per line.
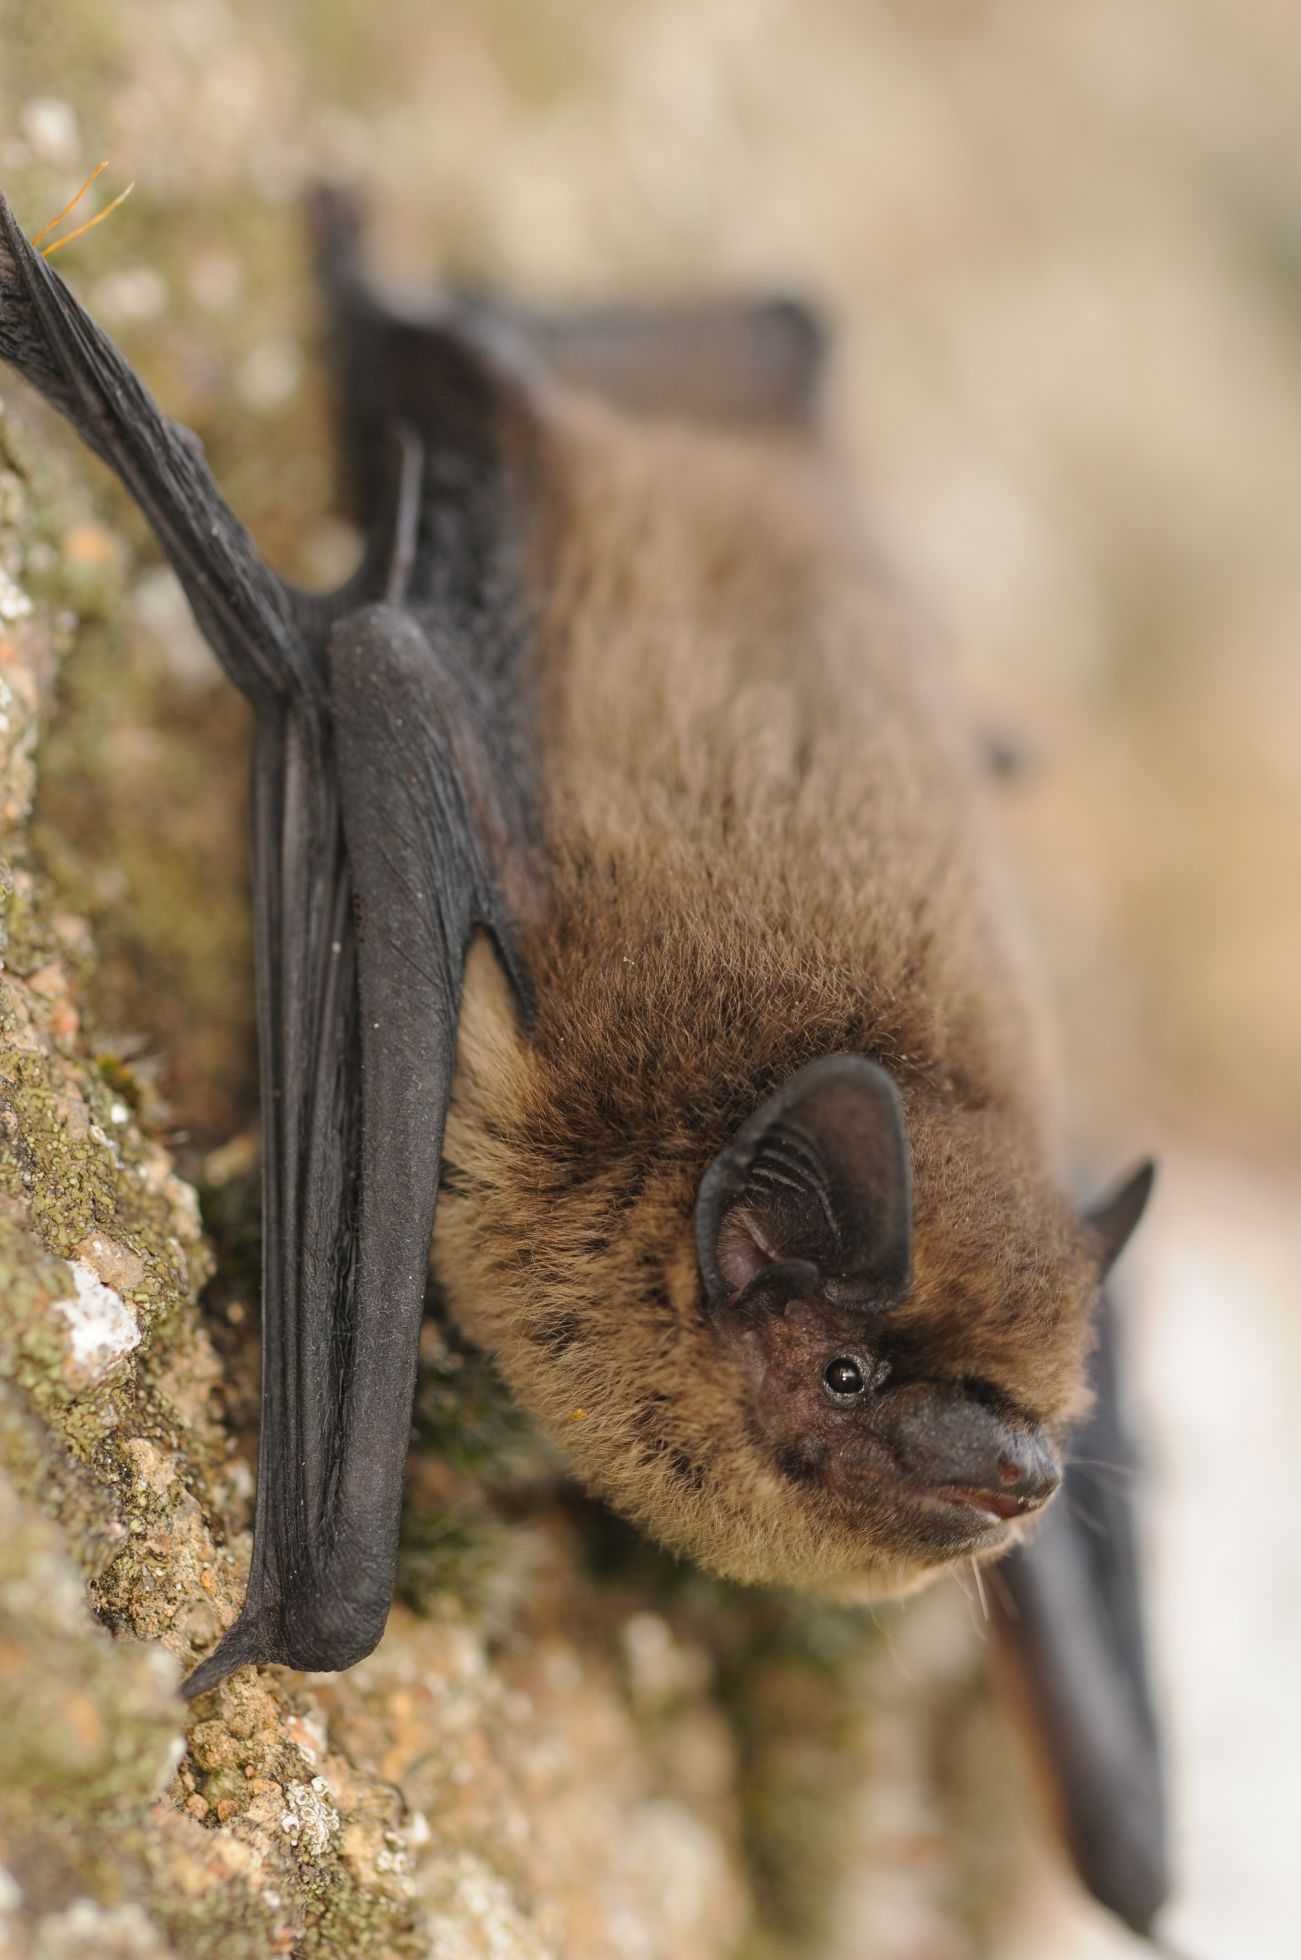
<point>741,364</point>
<point>1071,1616</point>
<point>752,365</point>
<point>381,835</point>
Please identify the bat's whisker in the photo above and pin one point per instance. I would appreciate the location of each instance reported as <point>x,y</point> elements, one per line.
<point>1086,1518</point>
<point>900,1663</point>
<point>1100,1463</point>
<point>1006,1597</point>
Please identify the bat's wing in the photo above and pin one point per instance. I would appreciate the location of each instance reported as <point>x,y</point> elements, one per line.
<point>753,366</point>
<point>1071,1616</point>
<point>389,817</point>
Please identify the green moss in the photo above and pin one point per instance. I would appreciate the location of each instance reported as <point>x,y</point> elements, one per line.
<point>40,1466</point>
<point>69,1180</point>
<point>225,1923</point>
<point>29,941</point>
<point>464,1557</point>
<point>353,1920</point>
<point>466,1418</point>
<point>33,1343</point>
<point>232,1217</point>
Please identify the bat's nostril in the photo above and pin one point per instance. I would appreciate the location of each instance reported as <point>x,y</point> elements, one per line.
<point>1009,1472</point>
<point>1036,1484</point>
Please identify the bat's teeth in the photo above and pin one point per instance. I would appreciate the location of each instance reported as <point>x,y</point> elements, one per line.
<point>993,1503</point>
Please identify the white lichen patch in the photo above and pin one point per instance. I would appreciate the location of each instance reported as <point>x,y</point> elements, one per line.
<point>101,1326</point>
<point>663,1837</point>
<point>161,608</point>
<point>14,602</point>
<point>309,1820</point>
<point>661,1669</point>
<point>156,1173</point>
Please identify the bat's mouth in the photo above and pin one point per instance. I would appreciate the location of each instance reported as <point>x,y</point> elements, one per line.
<point>991,1504</point>
<point>942,1521</point>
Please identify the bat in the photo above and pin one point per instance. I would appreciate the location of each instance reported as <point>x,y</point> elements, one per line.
<point>623,878</point>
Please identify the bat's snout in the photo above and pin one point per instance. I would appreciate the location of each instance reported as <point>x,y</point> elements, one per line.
<point>1019,1491</point>
<point>960,1449</point>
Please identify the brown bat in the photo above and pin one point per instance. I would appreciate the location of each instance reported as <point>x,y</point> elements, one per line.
<point>623,875</point>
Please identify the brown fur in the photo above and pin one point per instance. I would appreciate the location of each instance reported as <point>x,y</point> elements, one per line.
<point>764,841</point>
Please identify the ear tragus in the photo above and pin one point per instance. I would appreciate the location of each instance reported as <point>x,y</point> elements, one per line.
<point>814,1189</point>
<point>1111,1222</point>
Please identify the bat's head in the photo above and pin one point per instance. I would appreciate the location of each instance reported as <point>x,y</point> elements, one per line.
<point>910,1325</point>
<point>849,1352</point>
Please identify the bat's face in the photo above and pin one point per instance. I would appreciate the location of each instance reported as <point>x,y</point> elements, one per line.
<point>847,1355</point>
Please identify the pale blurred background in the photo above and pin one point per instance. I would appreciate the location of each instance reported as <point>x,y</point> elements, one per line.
<point>1063,245</point>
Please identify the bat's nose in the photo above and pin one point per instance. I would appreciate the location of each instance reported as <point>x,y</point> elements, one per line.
<point>1021,1483</point>
<point>956,1447</point>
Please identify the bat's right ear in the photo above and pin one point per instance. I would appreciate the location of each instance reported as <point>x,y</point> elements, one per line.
<point>813,1194</point>
<point>1114,1219</point>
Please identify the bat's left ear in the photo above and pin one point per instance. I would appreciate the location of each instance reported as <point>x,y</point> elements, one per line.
<point>1112,1221</point>
<point>812,1195</point>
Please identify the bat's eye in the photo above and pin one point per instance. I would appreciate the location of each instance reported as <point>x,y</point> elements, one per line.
<point>843,1378</point>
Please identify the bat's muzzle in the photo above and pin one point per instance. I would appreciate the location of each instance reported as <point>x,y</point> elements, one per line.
<point>956,1447</point>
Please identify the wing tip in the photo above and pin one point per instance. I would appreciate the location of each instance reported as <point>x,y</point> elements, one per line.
<point>240,1647</point>
<point>1131,1880</point>
<point>322,1632</point>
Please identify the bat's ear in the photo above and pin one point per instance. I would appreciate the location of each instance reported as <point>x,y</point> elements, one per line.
<point>1112,1221</point>
<point>813,1194</point>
